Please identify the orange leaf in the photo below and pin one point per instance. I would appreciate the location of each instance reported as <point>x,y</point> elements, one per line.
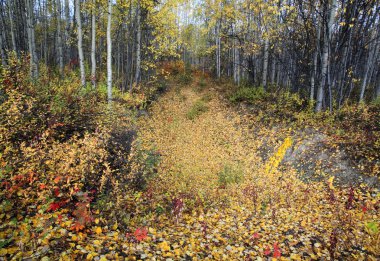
<point>57,179</point>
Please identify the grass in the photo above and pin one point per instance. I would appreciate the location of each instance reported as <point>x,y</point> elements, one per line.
<point>230,174</point>
<point>197,109</point>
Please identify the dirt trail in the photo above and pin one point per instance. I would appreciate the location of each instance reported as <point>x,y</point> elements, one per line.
<point>235,205</point>
<point>201,147</point>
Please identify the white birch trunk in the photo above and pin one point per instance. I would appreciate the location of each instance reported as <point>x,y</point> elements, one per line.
<point>67,29</point>
<point>315,62</point>
<point>59,38</point>
<point>372,57</point>
<point>80,47</point>
<point>93,45</point>
<point>325,56</point>
<point>31,39</point>
<point>109,53</point>
<point>218,65</point>
<point>138,45</point>
<point>265,67</point>
<point>12,30</point>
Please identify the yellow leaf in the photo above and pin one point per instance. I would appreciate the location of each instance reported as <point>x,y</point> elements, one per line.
<point>164,246</point>
<point>114,227</point>
<point>97,242</point>
<point>295,257</point>
<point>330,182</point>
<point>98,230</point>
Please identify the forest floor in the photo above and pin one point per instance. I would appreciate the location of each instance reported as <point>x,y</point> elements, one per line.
<point>223,192</point>
<point>234,200</point>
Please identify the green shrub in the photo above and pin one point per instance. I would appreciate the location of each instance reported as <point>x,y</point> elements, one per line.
<point>197,109</point>
<point>248,94</point>
<point>206,98</point>
<point>376,101</point>
<point>185,79</point>
<point>201,84</point>
<point>230,174</point>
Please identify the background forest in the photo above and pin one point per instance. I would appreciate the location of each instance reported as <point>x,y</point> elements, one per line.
<point>190,130</point>
<point>327,51</point>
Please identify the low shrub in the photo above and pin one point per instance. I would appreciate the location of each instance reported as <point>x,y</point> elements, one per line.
<point>248,94</point>
<point>174,67</point>
<point>184,79</point>
<point>197,109</point>
<point>231,174</point>
<point>201,84</point>
<point>61,148</point>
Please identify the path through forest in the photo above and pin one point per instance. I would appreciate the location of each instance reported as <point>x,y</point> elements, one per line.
<point>195,150</point>
<point>228,203</point>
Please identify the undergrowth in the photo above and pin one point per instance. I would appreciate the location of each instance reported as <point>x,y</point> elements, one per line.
<point>353,127</point>
<point>197,109</point>
<point>64,157</point>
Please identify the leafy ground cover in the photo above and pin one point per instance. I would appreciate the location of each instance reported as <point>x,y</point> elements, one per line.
<point>171,187</point>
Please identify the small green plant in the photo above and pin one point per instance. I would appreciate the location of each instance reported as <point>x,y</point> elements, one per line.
<point>248,94</point>
<point>201,84</point>
<point>185,79</point>
<point>207,97</point>
<point>197,109</point>
<point>376,102</point>
<point>230,174</point>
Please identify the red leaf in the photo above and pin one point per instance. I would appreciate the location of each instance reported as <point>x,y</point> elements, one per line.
<point>276,251</point>
<point>56,192</point>
<point>364,209</point>
<point>141,233</point>
<point>54,206</point>
<point>267,251</point>
<point>255,235</point>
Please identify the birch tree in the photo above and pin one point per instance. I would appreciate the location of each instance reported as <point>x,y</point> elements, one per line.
<point>138,43</point>
<point>266,57</point>
<point>11,24</point>
<point>109,52</point>
<point>31,39</point>
<point>93,44</point>
<point>80,47</point>
<point>330,10</point>
<point>59,38</point>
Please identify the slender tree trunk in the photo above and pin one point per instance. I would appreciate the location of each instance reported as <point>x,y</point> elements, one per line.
<point>2,51</point>
<point>217,42</point>
<point>93,45</point>
<point>325,55</point>
<point>315,62</point>
<point>11,29</point>
<point>372,57</point>
<point>138,44</point>
<point>109,53</point>
<point>265,67</point>
<point>80,47</point>
<point>67,31</point>
<point>59,38</point>
<point>31,39</point>
<point>273,74</point>
<point>45,42</point>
